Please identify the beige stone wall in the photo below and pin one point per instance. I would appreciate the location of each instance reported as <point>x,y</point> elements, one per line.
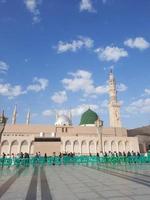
<point>17,142</point>
<point>77,139</point>
<point>47,147</point>
<point>92,144</point>
<point>144,142</point>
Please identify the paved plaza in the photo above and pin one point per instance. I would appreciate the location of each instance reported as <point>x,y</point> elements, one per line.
<point>76,182</point>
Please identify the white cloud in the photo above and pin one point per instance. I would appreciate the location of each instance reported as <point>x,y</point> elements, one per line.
<point>80,109</point>
<point>82,80</point>
<point>121,87</point>
<point>59,97</point>
<point>73,46</point>
<point>111,53</point>
<point>147,91</point>
<point>3,67</point>
<point>76,111</point>
<point>138,42</point>
<point>48,113</point>
<point>139,106</point>
<point>39,84</point>
<point>86,5</point>
<point>32,6</point>
<point>10,91</point>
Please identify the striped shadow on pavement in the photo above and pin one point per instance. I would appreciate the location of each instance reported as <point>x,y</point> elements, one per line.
<point>45,190</point>
<point>10,181</point>
<point>32,191</point>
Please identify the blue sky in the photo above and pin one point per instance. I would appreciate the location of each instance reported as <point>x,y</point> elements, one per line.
<point>57,54</point>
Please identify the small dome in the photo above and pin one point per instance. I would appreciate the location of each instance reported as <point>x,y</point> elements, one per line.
<point>88,118</point>
<point>62,120</point>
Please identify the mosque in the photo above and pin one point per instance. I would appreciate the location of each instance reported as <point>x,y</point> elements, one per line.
<point>89,137</point>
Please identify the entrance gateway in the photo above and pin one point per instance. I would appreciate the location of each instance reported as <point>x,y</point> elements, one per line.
<point>47,145</point>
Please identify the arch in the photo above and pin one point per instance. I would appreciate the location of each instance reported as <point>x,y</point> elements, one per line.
<point>142,148</point>
<point>91,147</point>
<point>14,147</point>
<point>5,147</point>
<point>106,146</point>
<point>148,146</point>
<point>127,146</point>
<point>76,147</point>
<point>120,146</point>
<point>68,146</point>
<point>113,146</point>
<point>84,147</point>
<point>31,150</point>
<point>97,147</point>
<point>24,147</point>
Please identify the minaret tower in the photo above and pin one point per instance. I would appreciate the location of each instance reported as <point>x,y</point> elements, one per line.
<point>70,117</point>
<point>57,115</point>
<point>114,106</point>
<point>28,117</point>
<point>14,116</point>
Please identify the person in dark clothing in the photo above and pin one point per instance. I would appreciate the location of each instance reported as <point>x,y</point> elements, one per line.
<point>21,155</point>
<point>45,158</point>
<point>3,159</point>
<point>128,154</point>
<point>54,155</point>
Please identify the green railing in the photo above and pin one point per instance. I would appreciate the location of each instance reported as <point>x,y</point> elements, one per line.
<point>65,160</point>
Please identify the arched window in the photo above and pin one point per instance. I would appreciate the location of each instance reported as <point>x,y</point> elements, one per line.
<point>76,147</point>
<point>142,148</point>
<point>5,147</point>
<point>113,146</point>
<point>14,147</point>
<point>68,147</point>
<point>97,147</point>
<point>120,146</point>
<point>91,147</point>
<point>31,148</point>
<point>84,148</point>
<point>24,147</point>
<point>106,146</point>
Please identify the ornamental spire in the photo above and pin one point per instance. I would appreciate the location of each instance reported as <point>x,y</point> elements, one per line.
<point>14,116</point>
<point>28,117</point>
<point>70,117</point>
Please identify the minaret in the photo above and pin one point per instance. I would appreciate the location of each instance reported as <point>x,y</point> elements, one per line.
<point>114,106</point>
<point>14,116</point>
<point>57,115</point>
<point>28,117</point>
<point>70,117</point>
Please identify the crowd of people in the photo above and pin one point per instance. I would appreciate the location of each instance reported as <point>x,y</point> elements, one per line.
<point>64,158</point>
<point>101,154</point>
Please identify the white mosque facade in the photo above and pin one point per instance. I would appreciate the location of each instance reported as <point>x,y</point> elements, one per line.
<point>90,137</point>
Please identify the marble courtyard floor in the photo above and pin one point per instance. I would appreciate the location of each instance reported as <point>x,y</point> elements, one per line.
<point>76,182</point>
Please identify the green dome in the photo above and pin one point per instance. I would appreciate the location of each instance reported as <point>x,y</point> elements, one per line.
<point>88,117</point>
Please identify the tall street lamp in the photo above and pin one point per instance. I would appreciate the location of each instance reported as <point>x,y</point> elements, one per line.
<point>99,125</point>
